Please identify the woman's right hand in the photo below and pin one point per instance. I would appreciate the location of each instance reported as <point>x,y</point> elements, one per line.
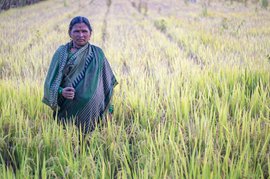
<point>68,92</point>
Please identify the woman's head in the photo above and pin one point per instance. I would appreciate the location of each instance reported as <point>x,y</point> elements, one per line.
<point>79,19</point>
<point>80,31</point>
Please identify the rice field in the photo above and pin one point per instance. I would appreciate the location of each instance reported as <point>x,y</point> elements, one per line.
<point>193,99</point>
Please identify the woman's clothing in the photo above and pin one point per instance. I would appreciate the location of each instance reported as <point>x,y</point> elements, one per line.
<point>90,74</point>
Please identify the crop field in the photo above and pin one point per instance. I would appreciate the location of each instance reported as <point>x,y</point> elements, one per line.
<point>193,99</point>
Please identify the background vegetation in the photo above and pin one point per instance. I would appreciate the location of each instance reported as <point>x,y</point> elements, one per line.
<point>6,4</point>
<point>193,99</point>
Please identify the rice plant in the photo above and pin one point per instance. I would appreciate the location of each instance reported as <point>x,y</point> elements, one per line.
<point>193,99</point>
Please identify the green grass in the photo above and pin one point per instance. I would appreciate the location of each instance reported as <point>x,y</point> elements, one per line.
<point>174,117</point>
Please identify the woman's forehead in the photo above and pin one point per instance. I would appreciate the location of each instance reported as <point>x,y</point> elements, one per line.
<point>80,25</point>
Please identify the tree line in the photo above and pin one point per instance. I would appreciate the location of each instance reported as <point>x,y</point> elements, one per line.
<point>7,4</point>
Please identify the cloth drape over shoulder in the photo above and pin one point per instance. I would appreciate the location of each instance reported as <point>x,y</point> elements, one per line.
<point>89,72</point>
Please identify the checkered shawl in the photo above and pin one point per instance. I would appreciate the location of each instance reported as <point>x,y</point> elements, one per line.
<point>92,79</point>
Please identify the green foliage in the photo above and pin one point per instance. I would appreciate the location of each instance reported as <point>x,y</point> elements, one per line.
<point>204,10</point>
<point>65,3</point>
<point>161,25</point>
<point>264,3</point>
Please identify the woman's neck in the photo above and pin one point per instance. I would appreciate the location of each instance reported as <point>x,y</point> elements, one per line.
<point>74,46</point>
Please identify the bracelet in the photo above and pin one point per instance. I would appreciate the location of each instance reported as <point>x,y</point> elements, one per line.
<point>111,107</point>
<point>60,90</point>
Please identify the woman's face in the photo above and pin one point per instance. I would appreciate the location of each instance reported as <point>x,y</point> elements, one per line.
<point>80,34</point>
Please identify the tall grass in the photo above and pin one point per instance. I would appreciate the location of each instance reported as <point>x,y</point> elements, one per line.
<point>173,118</point>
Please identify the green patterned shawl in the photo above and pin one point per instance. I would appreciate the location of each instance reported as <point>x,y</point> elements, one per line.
<point>89,72</point>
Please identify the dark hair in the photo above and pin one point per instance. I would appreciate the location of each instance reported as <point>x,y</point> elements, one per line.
<point>79,19</point>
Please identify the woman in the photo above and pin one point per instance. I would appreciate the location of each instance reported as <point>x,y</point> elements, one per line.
<point>80,82</point>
